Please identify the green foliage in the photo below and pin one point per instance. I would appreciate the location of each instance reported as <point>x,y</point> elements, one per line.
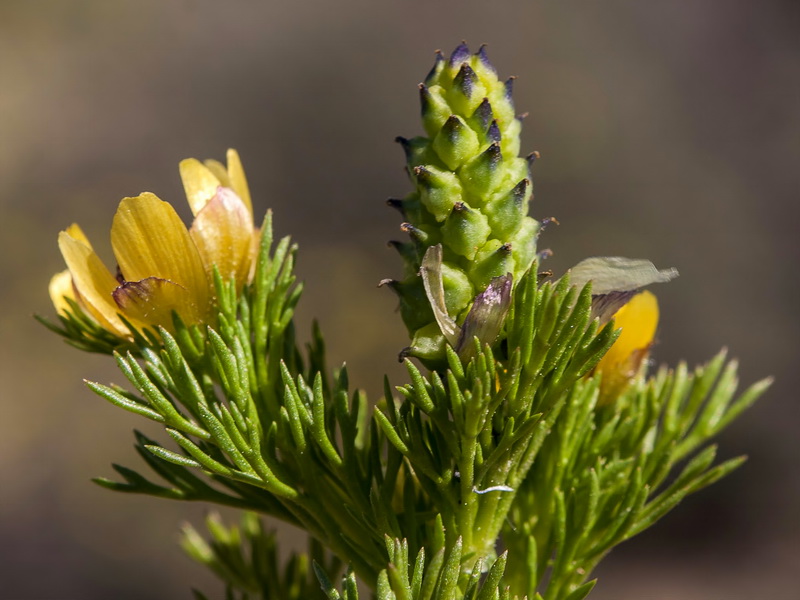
<point>508,444</point>
<point>248,561</point>
<point>247,411</point>
<point>469,435</point>
<point>434,580</point>
<point>609,473</point>
<point>84,333</point>
<point>303,449</point>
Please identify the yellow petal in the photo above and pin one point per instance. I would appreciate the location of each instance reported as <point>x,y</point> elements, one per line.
<point>199,183</point>
<point>76,233</point>
<point>238,179</point>
<point>638,320</point>
<point>93,282</point>
<point>150,240</point>
<point>219,170</point>
<point>60,289</point>
<point>152,301</point>
<point>223,234</point>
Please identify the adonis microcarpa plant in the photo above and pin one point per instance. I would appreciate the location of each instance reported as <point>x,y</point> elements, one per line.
<point>531,436</point>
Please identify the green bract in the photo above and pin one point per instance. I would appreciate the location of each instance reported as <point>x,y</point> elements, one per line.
<point>471,194</point>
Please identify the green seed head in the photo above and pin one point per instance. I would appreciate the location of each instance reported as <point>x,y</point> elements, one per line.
<point>471,193</point>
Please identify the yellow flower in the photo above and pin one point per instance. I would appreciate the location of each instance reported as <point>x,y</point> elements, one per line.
<point>638,320</point>
<point>162,266</point>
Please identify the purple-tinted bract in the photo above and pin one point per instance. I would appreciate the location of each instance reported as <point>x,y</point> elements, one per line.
<point>486,317</point>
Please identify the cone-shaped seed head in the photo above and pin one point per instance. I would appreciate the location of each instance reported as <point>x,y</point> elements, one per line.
<point>471,193</point>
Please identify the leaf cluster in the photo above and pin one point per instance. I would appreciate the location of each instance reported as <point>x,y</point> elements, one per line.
<point>247,559</point>
<point>606,474</point>
<point>437,579</point>
<point>508,445</point>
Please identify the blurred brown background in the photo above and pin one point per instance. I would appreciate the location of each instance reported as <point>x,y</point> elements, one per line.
<point>668,129</point>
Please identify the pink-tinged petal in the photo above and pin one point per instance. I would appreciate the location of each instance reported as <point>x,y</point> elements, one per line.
<point>199,183</point>
<point>238,179</point>
<point>152,301</point>
<point>223,234</point>
<point>93,281</point>
<point>60,289</point>
<point>150,240</point>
